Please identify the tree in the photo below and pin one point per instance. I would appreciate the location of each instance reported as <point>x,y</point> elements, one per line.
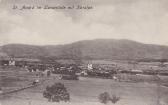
<point>56,93</point>
<point>104,98</point>
<point>114,99</point>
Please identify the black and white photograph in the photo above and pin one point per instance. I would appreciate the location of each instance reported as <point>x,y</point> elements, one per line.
<point>83,52</point>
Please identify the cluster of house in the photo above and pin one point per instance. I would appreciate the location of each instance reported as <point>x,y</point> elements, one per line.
<point>105,71</point>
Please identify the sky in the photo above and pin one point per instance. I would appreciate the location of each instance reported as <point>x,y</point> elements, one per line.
<point>144,21</point>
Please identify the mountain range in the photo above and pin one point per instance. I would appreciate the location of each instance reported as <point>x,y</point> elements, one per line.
<point>89,49</point>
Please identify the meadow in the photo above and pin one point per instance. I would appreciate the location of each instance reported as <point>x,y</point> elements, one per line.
<point>85,91</point>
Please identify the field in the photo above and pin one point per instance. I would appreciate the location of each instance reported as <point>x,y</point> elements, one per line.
<point>82,92</point>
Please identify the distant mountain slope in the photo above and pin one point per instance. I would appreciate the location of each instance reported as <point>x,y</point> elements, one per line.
<point>2,54</point>
<point>21,50</point>
<point>95,49</point>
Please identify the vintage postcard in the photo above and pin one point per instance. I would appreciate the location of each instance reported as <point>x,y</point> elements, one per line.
<point>83,52</point>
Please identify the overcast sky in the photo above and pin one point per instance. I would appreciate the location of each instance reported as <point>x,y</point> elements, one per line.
<point>140,20</point>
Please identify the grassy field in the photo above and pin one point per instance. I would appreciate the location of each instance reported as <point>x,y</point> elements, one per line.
<point>82,92</point>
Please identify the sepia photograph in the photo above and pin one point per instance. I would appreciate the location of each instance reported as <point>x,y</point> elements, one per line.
<point>83,52</point>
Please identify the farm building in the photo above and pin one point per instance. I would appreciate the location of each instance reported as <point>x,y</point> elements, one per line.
<point>7,62</point>
<point>20,62</point>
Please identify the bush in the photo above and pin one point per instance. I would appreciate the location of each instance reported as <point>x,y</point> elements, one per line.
<point>114,99</point>
<point>105,98</point>
<point>56,93</point>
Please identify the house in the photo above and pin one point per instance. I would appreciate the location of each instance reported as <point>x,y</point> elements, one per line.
<point>7,61</point>
<point>90,67</point>
<point>20,62</point>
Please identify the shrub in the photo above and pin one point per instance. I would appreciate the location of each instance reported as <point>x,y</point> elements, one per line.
<point>56,93</point>
<point>104,97</point>
<point>114,99</point>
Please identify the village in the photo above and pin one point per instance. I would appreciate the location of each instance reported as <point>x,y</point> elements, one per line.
<point>31,73</point>
<point>108,70</point>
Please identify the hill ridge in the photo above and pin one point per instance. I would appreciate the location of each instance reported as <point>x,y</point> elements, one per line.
<point>94,49</point>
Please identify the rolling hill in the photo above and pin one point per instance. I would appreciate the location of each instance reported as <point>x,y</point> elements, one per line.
<point>90,49</point>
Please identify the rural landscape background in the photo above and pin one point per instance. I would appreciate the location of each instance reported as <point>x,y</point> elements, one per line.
<point>140,69</point>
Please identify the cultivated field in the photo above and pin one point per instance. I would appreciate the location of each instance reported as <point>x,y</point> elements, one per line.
<point>82,92</point>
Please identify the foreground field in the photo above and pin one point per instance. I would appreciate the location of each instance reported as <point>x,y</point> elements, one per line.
<point>82,92</point>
